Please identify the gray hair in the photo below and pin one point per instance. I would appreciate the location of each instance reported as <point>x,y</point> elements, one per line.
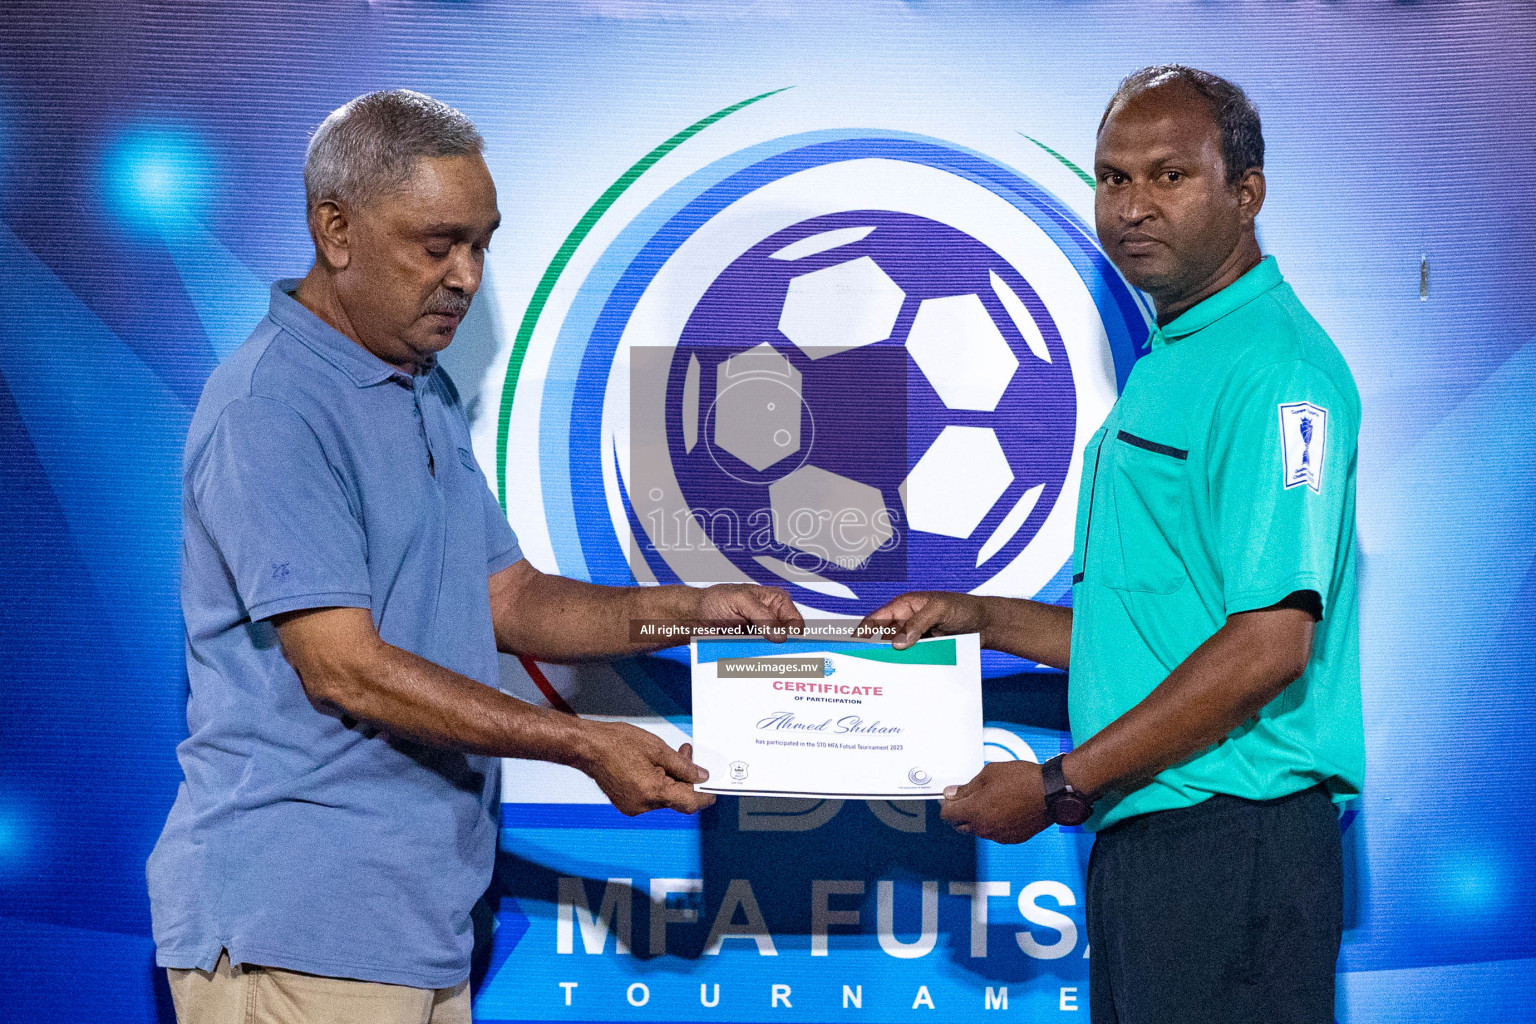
<point>1242,137</point>
<point>369,146</point>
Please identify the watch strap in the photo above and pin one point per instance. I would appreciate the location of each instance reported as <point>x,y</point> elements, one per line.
<point>1054,778</point>
<point>1065,804</point>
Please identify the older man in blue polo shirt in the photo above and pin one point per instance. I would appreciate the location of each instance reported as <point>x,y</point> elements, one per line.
<point>347,581</point>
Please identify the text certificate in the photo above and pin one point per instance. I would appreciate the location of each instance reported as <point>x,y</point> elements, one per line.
<point>837,718</point>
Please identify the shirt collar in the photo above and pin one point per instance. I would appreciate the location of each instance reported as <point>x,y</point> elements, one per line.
<point>365,368</point>
<point>1234,296</point>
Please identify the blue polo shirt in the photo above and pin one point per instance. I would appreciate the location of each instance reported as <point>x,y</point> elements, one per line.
<point>317,475</point>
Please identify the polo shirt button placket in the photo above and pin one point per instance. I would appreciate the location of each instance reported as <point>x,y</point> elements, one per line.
<point>421,422</point>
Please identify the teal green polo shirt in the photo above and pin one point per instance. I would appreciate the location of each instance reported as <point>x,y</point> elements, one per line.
<point>1222,481</point>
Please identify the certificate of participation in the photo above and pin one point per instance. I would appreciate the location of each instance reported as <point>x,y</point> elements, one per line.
<point>847,718</point>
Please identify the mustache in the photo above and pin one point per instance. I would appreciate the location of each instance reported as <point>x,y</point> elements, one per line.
<point>449,303</point>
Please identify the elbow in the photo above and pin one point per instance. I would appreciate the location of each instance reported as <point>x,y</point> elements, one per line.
<point>334,685</point>
<point>327,689</point>
<point>336,654</point>
<point>318,687</point>
<point>1293,665</point>
<point>1264,680</point>
<point>1292,653</point>
<point>1284,654</point>
<point>1282,664</point>
<point>1272,652</point>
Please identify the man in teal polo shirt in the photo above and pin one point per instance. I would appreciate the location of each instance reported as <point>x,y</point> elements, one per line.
<point>1213,643</point>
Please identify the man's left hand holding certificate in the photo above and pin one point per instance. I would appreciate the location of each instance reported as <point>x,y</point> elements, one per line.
<point>841,718</point>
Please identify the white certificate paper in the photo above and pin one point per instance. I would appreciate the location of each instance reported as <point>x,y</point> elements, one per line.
<point>837,718</point>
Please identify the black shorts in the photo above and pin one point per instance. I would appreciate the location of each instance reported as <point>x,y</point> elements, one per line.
<point>1228,911</point>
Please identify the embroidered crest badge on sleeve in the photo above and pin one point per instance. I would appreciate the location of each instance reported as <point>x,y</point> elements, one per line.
<point>1303,435</point>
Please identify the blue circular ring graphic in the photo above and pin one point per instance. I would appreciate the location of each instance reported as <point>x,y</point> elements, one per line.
<point>601,550</point>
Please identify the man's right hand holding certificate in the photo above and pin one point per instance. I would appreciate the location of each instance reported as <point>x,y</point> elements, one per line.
<point>1223,682</point>
<point>1005,802</point>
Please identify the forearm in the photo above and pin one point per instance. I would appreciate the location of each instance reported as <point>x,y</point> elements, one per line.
<point>1028,629</point>
<point>413,698</point>
<point>556,619</point>
<point>1227,680</point>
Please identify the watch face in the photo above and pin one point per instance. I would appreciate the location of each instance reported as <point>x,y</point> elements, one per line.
<point>1070,809</point>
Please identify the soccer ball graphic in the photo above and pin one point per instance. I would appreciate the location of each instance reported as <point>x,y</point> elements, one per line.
<point>869,402</point>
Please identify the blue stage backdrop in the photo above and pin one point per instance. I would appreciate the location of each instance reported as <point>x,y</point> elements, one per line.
<point>682,182</point>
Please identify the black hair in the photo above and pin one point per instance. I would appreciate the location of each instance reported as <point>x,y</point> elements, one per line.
<point>1242,138</point>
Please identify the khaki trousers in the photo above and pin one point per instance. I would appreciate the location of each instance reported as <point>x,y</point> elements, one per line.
<point>268,995</point>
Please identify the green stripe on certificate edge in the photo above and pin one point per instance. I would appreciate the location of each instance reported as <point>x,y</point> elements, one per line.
<point>933,652</point>
<point>927,652</point>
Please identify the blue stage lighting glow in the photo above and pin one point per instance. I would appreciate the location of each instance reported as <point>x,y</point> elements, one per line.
<point>1470,883</point>
<point>157,177</point>
<point>12,838</point>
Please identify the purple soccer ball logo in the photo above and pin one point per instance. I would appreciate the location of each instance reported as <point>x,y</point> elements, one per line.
<point>869,402</point>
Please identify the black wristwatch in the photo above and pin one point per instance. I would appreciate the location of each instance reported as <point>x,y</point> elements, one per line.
<point>1065,805</point>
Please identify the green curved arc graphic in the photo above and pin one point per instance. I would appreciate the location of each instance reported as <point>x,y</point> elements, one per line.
<point>563,257</point>
<point>1141,299</point>
<point>1087,178</point>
